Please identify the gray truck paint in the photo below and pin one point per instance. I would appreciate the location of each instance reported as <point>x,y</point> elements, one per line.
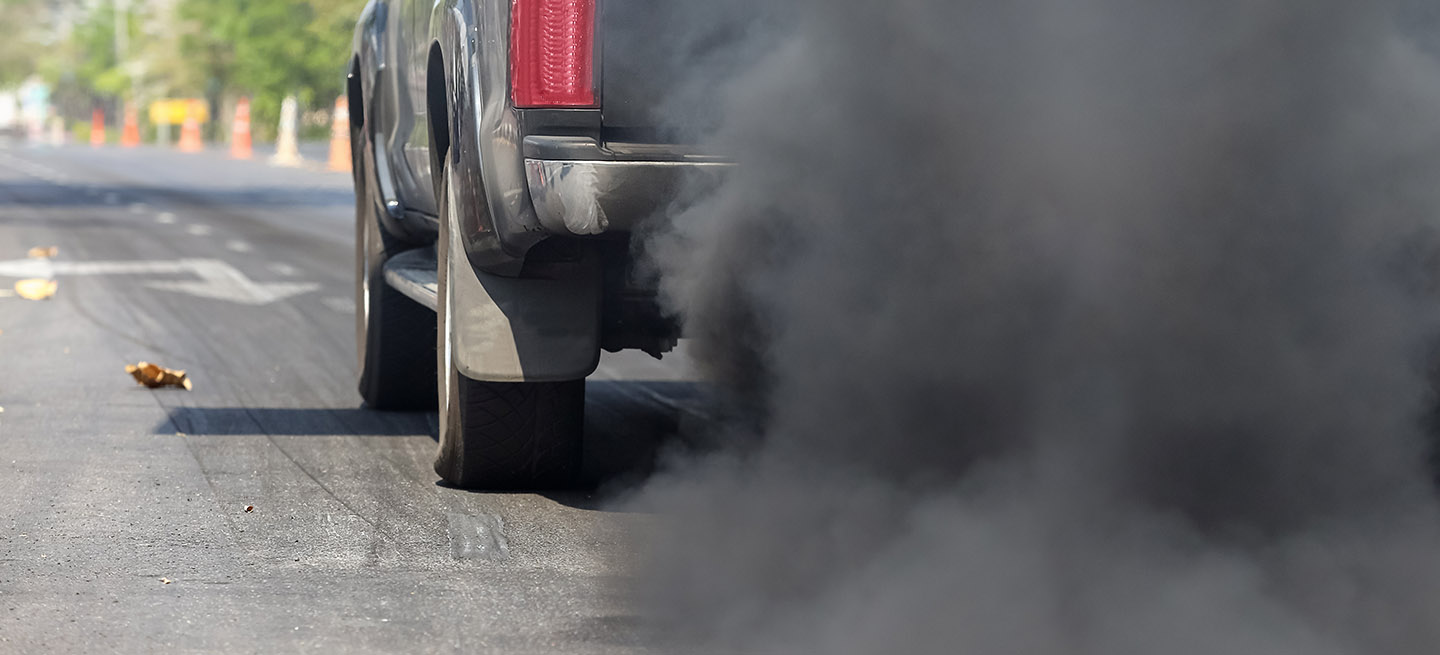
<point>506,327</point>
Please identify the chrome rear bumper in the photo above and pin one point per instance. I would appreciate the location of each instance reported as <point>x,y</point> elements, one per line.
<point>579,197</point>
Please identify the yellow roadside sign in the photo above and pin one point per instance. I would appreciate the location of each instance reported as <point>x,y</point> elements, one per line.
<point>174,111</point>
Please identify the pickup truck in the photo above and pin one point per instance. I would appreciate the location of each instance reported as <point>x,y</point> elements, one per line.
<point>504,152</point>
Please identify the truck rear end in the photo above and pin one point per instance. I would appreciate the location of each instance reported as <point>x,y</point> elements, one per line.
<point>615,98</point>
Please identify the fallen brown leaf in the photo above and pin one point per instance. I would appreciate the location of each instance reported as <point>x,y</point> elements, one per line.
<point>249,508</point>
<point>36,289</point>
<point>165,580</point>
<point>155,376</point>
<point>44,252</point>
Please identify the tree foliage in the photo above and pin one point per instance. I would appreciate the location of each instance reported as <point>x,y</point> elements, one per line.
<point>216,49</point>
<point>18,48</point>
<point>267,49</point>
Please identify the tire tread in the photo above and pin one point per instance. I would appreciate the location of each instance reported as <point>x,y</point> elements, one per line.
<point>517,435</point>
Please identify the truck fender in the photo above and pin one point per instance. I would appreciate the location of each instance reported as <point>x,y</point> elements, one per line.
<point>368,44</point>
<point>368,60</point>
<point>497,220</point>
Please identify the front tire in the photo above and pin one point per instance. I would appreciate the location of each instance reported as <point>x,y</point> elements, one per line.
<point>393,334</point>
<point>499,435</point>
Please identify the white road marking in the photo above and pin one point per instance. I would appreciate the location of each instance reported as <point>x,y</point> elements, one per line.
<point>34,169</point>
<point>218,279</point>
<point>47,268</point>
<point>222,281</point>
<point>165,218</point>
<point>342,305</point>
<point>198,230</point>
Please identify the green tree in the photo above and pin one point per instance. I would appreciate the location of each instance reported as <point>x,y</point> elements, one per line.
<point>18,59</point>
<point>96,63</point>
<point>219,49</point>
<point>267,49</point>
<point>85,67</point>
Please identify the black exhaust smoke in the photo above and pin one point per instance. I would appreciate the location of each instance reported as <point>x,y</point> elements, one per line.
<point>1079,327</point>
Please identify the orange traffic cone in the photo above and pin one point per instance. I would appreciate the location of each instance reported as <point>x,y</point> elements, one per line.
<point>240,143</point>
<point>190,132</point>
<point>97,128</point>
<point>130,137</point>
<point>340,137</point>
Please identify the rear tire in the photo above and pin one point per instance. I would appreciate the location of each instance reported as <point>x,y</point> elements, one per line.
<point>511,435</point>
<point>500,435</point>
<point>394,335</point>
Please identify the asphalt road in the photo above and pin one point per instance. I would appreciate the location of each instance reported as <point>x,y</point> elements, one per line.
<point>123,522</point>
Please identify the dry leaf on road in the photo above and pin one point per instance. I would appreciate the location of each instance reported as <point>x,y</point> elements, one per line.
<point>249,509</point>
<point>36,289</point>
<point>44,252</point>
<point>155,376</point>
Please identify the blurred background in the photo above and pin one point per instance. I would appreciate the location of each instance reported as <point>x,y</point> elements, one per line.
<point>67,66</point>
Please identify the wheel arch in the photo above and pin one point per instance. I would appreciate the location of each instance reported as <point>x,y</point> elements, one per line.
<point>367,47</point>
<point>477,131</point>
<point>355,95</point>
<point>437,113</point>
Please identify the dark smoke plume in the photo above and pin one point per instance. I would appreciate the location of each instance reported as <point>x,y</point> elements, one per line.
<point>1080,326</point>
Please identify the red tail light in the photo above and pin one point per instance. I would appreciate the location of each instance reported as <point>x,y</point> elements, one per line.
<point>552,53</point>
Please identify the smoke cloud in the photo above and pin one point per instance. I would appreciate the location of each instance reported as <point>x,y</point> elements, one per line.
<point>1085,326</point>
